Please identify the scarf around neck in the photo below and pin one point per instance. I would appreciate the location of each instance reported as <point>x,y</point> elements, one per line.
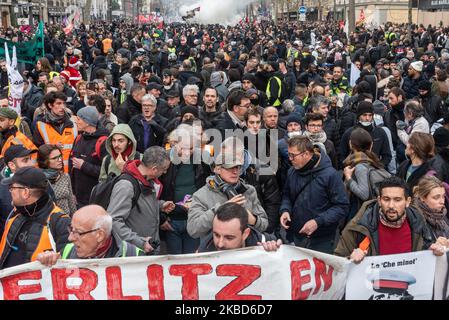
<point>433,217</point>
<point>357,157</point>
<point>392,224</point>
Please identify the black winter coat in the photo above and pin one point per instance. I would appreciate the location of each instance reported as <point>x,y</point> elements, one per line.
<point>416,175</point>
<point>85,178</point>
<point>157,137</point>
<point>381,146</point>
<point>410,87</point>
<point>390,118</point>
<point>268,192</point>
<point>434,109</point>
<point>128,109</point>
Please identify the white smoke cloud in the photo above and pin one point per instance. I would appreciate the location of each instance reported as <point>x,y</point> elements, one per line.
<point>227,12</point>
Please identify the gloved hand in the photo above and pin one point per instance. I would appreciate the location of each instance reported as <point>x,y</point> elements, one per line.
<point>401,125</point>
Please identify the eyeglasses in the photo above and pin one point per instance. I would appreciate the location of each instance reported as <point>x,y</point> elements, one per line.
<point>12,187</point>
<point>292,156</point>
<point>79,234</point>
<point>246,105</point>
<point>58,157</point>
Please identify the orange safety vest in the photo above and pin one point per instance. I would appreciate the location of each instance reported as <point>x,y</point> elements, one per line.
<point>67,138</point>
<point>46,241</point>
<point>19,139</point>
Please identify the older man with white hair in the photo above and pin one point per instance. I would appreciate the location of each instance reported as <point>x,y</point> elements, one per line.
<point>146,126</point>
<point>91,237</point>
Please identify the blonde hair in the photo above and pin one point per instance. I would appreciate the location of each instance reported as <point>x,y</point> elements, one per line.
<point>426,185</point>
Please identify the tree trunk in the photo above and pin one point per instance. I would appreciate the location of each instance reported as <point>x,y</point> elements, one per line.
<point>86,13</point>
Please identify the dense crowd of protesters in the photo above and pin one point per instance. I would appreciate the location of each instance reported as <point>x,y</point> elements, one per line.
<point>183,138</point>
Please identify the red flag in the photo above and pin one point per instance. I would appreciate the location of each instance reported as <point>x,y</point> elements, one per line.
<point>161,25</point>
<point>362,16</point>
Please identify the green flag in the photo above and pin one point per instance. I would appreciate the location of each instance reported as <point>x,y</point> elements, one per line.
<point>29,51</point>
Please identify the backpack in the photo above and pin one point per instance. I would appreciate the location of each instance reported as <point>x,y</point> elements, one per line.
<point>101,193</point>
<point>98,144</point>
<point>374,177</point>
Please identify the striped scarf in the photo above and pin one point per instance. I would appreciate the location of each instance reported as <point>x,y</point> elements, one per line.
<point>392,224</point>
<point>357,157</point>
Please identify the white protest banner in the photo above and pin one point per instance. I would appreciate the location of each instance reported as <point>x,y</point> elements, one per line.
<point>245,274</point>
<point>15,81</point>
<point>406,276</point>
<point>441,288</point>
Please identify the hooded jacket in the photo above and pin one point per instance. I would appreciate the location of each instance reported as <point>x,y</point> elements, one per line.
<point>125,130</point>
<point>219,85</point>
<point>207,199</point>
<point>323,198</point>
<point>366,223</point>
<point>129,82</point>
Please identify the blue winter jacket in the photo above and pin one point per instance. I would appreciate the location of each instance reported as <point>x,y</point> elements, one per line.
<point>323,199</point>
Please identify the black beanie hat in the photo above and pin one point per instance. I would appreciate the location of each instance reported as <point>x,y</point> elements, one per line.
<point>364,107</point>
<point>441,137</point>
<point>189,109</point>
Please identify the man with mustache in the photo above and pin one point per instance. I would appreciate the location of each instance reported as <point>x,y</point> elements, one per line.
<point>387,225</point>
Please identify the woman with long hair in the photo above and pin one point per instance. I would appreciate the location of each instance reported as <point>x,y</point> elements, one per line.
<point>358,165</point>
<point>429,198</point>
<point>49,159</point>
<point>419,150</point>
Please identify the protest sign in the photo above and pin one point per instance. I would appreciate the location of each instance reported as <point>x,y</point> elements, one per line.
<point>27,51</point>
<point>245,274</point>
<point>407,276</point>
<point>15,81</point>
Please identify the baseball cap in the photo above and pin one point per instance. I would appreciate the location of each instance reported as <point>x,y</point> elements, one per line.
<point>228,160</point>
<point>172,93</point>
<point>17,151</point>
<point>154,85</point>
<point>28,177</point>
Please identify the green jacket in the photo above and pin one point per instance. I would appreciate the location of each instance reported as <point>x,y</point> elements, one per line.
<point>125,130</point>
<point>365,224</point>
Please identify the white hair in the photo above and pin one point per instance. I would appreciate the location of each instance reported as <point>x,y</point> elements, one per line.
<point>151,98</point>
<point>189,88</point>
<point>104,222</point>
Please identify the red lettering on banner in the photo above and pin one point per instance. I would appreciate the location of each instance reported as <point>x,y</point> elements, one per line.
<point>155,275</point>
<point>61,290</point>
<point>246,275</point>
<point>189,274</point>
<point>299,280</point>
<point>114,285</point>
<point>12,290</point>
<point>320,273</point>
